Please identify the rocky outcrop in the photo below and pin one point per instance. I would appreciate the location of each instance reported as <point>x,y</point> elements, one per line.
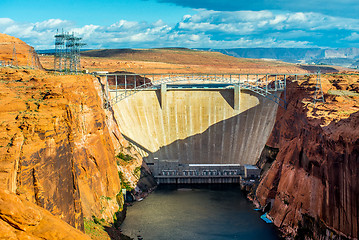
<point>15,52</point>
<point>313,183</point>
<point>21,219</point>
<point>58,145</point>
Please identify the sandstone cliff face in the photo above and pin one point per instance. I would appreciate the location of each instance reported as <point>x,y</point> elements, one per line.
<point>313,183</point>
<point>58,146</point>
<point>21,219</point>
<point>17,53</point>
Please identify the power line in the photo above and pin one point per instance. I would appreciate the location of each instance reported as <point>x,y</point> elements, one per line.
<point>318,95</point>
<point>14,57</point>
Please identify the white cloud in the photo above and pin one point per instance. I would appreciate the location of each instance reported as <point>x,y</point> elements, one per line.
<point>195,38</point>
<point>39,34</point>
<point>86,31</point>
<point>52,24</point>
<point>6,21</point>
<point>354,36</point>
<point>23,30</point>
<point>124,25</point>
<point>278,19</point>
<point>159,23</point>
<point>264,20</point>
<point>329,7</point>
<point>209,29</point>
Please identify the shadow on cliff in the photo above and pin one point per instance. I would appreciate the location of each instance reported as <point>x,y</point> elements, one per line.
<point>116,233</point>
<point>231,136</point>
<point>322,159</point>
<point>314,69</point>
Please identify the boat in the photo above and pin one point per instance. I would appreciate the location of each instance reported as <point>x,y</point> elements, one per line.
<point>265,218</point>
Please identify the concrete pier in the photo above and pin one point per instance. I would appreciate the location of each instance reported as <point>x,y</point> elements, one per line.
<point>237,97</point>
<point>163,95</point>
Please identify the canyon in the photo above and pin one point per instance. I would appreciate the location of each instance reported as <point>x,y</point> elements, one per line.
<point>58,146</point>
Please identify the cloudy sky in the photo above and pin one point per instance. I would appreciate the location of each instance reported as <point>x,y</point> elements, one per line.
<point>185,23</point>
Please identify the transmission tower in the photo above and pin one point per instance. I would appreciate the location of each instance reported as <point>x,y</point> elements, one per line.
<point>14,57</point>
<point>36,61</point>
<point>73,46</point>
<point>67,53</point>
<point>30,60</point>
<point>59,51</point>
<point>318,95</point>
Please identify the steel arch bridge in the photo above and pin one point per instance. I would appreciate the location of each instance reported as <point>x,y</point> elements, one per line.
<point>124,85</point>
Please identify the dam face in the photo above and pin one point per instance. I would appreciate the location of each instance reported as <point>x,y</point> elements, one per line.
<point>196,126</point>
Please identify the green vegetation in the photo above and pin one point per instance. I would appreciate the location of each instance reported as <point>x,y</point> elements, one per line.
<point>96,229</point>
<point>137,172</point>
<point>345,112</point>
<point>120,200</point>
<point>105,197</point>
<point>117,219</point>
<point>124,157</point>
<point>124,184</point>
<point>96,220</point>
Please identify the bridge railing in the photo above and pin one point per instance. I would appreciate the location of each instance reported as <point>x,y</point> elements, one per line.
<point>126,84</point>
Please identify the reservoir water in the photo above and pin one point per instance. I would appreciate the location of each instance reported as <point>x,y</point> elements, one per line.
<point>214,212</point>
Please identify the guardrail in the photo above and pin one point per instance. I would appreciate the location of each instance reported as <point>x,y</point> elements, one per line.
<point>267,85</point>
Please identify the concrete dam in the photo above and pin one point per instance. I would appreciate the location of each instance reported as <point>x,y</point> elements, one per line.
<point>189,131</point>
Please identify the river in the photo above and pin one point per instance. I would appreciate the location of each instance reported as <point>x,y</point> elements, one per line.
<point>213,212</point>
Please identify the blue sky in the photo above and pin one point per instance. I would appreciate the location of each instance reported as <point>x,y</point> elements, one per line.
<point>185,23</point>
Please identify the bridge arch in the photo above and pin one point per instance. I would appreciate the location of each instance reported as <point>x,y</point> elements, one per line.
<point>267,85</point>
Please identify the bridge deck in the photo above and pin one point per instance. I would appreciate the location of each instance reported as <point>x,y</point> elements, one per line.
<point>127,84</point>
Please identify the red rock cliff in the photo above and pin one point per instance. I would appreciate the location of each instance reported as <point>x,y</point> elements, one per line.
<point>314,179</point>
<point>21,219</point>
<point>17,53</point>
<point>58,145</point>
<point>57,151</point>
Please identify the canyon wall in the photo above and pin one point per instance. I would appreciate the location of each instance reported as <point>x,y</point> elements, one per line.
<point>313,183</point>
<point>21,219</point>
<point>58,146</point>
